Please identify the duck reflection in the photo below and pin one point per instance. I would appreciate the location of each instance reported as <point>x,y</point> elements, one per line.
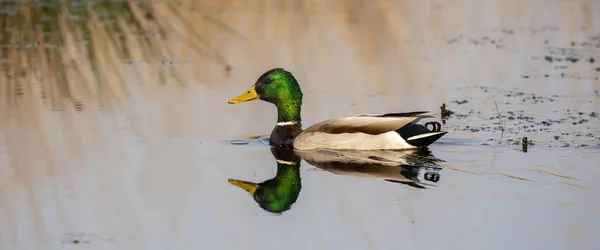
<point>277,194</point>
<point>413,168</point>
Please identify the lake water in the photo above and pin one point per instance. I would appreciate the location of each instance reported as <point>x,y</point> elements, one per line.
<point>152,170</point>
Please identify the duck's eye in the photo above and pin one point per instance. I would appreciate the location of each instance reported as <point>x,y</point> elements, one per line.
<point>267,81</point>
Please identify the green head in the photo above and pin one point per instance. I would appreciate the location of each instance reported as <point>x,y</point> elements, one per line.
<point>279,87</point>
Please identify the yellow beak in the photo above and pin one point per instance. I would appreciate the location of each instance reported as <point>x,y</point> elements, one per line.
<point>246,96</point>
<point>248,186</point>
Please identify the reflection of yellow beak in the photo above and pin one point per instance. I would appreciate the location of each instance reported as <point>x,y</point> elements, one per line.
<point>245,185</point>
<point>246,96</point>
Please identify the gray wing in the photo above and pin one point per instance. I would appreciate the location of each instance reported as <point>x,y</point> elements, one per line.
<point>372,124</point>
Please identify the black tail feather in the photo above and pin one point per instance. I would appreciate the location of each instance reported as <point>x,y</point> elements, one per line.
<point>412,129</point>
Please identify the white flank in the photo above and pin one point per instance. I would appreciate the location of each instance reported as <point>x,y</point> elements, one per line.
<point>354,141</point>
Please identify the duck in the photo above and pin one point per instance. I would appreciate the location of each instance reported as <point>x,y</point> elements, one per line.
<point>278,194</point>
<point>384,131</point>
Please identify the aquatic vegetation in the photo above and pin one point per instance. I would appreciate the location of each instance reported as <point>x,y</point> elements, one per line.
<point>68,49</point>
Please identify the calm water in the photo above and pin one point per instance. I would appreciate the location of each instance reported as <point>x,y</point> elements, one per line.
<point>151,171</point>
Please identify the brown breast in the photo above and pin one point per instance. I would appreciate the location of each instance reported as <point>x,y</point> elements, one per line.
<point>285,135</point>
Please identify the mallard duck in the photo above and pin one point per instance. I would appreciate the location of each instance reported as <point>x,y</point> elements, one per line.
<point>358,132</point>
<point>276,195</point>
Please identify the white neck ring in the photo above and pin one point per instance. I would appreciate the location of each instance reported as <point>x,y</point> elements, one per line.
<point>287,123</point>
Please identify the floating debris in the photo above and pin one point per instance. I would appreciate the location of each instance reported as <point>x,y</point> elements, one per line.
<point>445,112</point>
<point>461,102</point>
<point>79,105</point>
<point>239,142</point>
<point>572,59</point>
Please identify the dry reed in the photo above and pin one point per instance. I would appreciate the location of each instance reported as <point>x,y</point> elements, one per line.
<point>68,51</point>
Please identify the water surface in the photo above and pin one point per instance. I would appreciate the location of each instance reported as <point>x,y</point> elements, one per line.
<point>150,170</point>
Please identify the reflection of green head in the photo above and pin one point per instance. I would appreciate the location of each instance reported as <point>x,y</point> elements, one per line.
<point>279,193</point>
